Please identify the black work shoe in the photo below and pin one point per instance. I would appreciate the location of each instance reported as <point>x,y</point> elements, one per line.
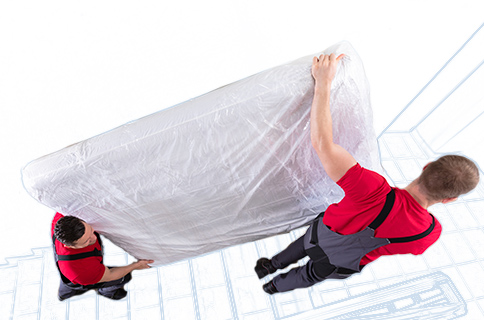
<point>269,288</point>
<point>75,294</point>
<point>264,267</point>
<point>118,294</point>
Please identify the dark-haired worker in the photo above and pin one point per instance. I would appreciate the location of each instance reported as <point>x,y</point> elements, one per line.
<point>79,258</point>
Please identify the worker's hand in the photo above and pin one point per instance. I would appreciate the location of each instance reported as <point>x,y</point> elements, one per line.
<point>324,68</point>
<point>142,264</point>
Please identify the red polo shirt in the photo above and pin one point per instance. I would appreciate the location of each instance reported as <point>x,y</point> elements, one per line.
<point>83,271</point>
<point>365,194</point>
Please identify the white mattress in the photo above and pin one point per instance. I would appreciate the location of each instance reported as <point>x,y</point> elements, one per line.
<point>231,166</point>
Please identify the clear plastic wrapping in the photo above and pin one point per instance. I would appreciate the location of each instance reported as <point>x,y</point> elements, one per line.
<point>231,166</point>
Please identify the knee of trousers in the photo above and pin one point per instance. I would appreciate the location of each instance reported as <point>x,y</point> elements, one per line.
<point>321,270</point>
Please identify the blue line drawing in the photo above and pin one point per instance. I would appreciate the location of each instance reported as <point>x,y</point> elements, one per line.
<point>444,283</point>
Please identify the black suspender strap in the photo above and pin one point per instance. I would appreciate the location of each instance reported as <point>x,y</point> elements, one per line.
<point>314,232</point>
<point>384,214</point>
<point>416,237</point>
<point>387,207</point>
<point>93,253</point>
<point>61,257</point>
<point>69,257</point>
<point>317,253</point>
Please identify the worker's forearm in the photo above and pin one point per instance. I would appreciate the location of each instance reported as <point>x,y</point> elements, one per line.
<point>321,121</point>
<point>334,158</point>
<point>117,272</point>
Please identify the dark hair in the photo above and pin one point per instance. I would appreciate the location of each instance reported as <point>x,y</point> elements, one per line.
<point>69,229</point>
<point>448,177</point>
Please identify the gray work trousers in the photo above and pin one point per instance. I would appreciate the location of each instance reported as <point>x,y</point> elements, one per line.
<point>107,289</point>
<point>298,277</point>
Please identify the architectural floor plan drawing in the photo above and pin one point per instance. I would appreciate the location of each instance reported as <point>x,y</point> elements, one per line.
<point>442,284</point>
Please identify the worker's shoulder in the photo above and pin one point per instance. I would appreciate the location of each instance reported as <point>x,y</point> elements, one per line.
<point>56,218</point>
<point>409,217</point>
<point>361,180</point>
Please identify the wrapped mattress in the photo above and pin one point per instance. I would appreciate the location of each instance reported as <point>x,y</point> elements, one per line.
<point>228,167</point>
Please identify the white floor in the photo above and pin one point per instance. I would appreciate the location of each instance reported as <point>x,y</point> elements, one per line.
<point>444,283</point>
<point>69,72</point>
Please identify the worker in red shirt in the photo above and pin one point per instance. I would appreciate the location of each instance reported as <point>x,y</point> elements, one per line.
<point>79,257</point>
<point>373,219</point>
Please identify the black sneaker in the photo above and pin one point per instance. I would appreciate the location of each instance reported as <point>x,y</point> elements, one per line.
<point>72,295</point>
<point>269,288</point>
<point>118,294</point>
<point>264,267</point>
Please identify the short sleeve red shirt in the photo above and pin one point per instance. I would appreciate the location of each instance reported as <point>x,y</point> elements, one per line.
<point>365,195</point>
<point>83,271</point>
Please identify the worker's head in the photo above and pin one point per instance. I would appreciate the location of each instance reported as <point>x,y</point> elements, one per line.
<point>74,232</point>
<point>448,177</point>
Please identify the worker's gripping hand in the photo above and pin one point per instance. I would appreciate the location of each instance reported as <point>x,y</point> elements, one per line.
<point>324,68</point>
<point>142,264</point>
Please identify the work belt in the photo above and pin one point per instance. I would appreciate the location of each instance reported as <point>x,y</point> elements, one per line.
<point>340,255</point>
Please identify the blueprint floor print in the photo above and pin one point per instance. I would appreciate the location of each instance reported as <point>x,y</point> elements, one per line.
<point>444,282</point>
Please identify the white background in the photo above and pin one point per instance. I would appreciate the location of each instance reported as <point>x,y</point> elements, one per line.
<point>72,70</point>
